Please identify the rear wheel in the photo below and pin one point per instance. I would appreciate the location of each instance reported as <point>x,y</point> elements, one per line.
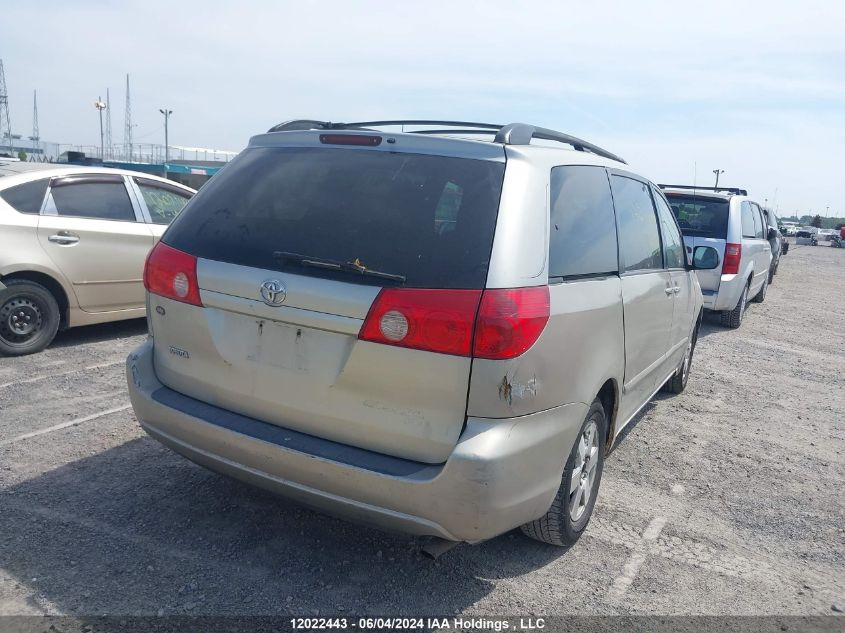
<point>733,318</point>
<point>678,382</point>
<point>566,519</point>
<point>29,317</point>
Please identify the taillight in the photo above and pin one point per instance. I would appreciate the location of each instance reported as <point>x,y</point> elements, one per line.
<point>173,274</point>
<point>510,321</point>
<point>432,320</point>
<point>733,253</point>
<point>495,324</point>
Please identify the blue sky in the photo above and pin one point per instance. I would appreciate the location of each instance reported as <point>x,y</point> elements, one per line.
<point>677,88</point>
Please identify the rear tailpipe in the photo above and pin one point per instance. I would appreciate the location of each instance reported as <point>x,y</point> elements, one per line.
<point>435,547</point>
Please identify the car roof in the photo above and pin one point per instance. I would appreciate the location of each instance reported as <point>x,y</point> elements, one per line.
<point>9,177</point>
<point>690,193</point>
<point>512,134</point>
<point>22,167</point>
<point>448,144</point>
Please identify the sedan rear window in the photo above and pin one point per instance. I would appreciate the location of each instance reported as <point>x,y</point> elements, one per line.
<point>700,217</point>
<point>429,219</point>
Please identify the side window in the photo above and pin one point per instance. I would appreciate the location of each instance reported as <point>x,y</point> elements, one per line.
<point>747,220</point>
<point>758,222</point>
<point>26,198</point>
<point>673,244</point>
<point>639,240</point>
<point>163,203</point>
<point>99,200</point>
<point>582,233</point>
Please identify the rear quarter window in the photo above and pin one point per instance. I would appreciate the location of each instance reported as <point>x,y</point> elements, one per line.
<point>26,198</point>
<point>582,233</point>
<point>428,218</point>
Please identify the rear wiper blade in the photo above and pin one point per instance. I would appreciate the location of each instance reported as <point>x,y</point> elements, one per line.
<point>330,264</point>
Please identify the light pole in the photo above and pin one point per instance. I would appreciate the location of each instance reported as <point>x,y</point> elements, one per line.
<point>717,172</point>
<point>166,114</point>
<point>100,105</point>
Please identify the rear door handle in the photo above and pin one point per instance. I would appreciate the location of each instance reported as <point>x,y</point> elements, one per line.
<point>668,290</point>
<point>64,239</point>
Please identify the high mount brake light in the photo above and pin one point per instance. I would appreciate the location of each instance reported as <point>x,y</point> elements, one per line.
<point>173,274</point>
<point>733,254</point>
<point>495,324</point>
<point>350,139</point>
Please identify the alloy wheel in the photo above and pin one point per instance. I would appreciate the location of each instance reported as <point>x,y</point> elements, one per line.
<point>584,471</point>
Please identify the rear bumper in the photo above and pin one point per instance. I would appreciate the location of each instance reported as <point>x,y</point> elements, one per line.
<point>727,297</point>
<point>501,473</point>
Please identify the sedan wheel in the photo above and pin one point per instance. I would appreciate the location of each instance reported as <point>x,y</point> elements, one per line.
<point>29,317</point>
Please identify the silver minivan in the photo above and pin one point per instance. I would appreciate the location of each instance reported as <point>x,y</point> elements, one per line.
<point>427,330</point>
<point>729,221</point>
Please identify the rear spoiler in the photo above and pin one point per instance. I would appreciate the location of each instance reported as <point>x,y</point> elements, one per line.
<point>739,192</point>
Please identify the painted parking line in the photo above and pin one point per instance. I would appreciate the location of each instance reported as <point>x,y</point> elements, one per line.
<point>63,425</point>
<point>64,373</point>
<point>632,566</point>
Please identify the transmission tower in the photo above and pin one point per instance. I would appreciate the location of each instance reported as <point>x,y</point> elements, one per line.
<point>35,138</point>
<point>127,124</point>
<point>5,126</point>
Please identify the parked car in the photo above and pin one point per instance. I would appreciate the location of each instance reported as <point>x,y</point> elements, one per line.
<point>826,235</point>
<point>407,329</point>
<point>72,246</point>
<point>806,236</point>
<point>732,223</point>
<point>777,242</point>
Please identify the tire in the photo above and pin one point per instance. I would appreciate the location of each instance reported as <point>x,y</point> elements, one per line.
<point>760,297</point>
<point>678,382</point>
<point>773,272</point>
<point>733,318</point>
<point>558,526</point>
<point>29,317</point>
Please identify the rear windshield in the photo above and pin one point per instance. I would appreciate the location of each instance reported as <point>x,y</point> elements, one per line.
<point>429,219</point>
<point>700,217</point>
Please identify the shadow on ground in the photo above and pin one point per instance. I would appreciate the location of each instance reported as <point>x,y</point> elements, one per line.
<point>136,529</point>
<point>100,332</point>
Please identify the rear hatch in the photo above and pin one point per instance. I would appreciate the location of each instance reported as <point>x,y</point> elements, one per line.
<point>293,246</point>
<point>704,222</point>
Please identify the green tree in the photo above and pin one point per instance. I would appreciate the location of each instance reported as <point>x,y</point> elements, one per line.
<point>22,155</point>
<point>816,221</point>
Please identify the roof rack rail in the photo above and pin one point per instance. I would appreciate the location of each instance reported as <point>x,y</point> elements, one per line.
<point>510,134</point>
<point>739,192</point>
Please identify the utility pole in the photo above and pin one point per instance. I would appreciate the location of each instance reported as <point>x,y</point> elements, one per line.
<point>100,105</point>
<point>166,114</point>
<point>717,172</point>
<point>108,123</point>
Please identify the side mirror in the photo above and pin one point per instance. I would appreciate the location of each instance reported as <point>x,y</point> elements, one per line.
<point>705,258</point>
<point>772,233</point>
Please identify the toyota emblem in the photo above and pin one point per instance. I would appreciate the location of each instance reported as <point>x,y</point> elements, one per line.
<point>273,292</point>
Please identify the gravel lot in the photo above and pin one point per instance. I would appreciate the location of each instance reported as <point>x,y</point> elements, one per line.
<point>727,499</point>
